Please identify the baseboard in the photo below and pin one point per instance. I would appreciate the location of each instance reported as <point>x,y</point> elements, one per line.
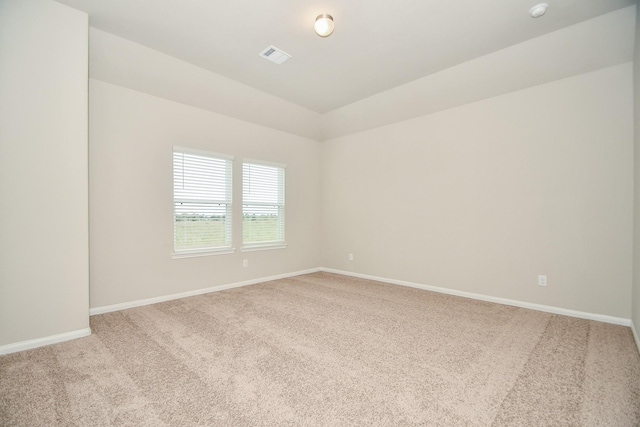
<point>635,335</point>
<point>53,339</point>
<point>481,297</point>
<point>39,342</point>
<point>155,300</point>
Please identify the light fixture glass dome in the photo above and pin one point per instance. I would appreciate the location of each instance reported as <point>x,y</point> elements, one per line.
<point>538,10</point>
<point>324,25</point>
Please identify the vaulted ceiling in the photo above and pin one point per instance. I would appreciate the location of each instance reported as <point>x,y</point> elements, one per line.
<point>377,45</point>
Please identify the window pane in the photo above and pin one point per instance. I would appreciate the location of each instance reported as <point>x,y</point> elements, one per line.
<point>199,178</point>
<point>199,226</point>
<point>262,184</point>
<point>260,224</point>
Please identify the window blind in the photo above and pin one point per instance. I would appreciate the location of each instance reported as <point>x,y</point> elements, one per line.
<point>263,204</point>
<point>202,201</point>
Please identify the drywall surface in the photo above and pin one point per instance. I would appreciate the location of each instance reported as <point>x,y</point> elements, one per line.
<point>636,239</point>
<point>598,43</point>
<point>44,260</point>
<point>125,63</point>
<point>131,206</point>
<point>486,197</point>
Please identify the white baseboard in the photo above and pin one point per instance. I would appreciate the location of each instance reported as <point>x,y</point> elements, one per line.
<point>635,335</point>
<point>481,297</point>
<point>53,339</point>
<point>39,342</point>
<point>163,298</point>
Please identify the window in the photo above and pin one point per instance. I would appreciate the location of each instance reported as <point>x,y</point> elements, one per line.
<point>262,205</point>
<point>202,208</point>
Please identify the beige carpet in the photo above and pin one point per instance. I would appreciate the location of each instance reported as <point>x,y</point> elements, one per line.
<point>330,350</point>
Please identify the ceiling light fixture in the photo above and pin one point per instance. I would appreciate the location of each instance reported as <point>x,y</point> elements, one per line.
<point>324,25</point>
<point>538,10</point>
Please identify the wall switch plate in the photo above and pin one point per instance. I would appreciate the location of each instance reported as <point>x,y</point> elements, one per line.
<point>350,257</point>
<point>245,263</point>
<point>542,280</point>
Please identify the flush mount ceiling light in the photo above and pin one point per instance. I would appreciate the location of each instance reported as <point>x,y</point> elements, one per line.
<point>538,10</point>
<point>324,25</point>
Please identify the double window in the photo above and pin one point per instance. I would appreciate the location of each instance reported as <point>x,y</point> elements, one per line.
<point>203,209</point>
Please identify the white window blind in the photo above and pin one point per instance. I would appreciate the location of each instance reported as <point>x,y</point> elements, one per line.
<point>202,201</point>
<point>262,204</point>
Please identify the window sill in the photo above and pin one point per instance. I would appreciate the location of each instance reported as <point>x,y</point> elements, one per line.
<point>263,247</point>
<point>196,254</point>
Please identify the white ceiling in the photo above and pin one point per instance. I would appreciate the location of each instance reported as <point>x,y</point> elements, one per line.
<point>377,45</point>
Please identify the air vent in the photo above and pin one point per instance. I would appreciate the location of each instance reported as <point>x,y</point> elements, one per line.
<point>274,54</point>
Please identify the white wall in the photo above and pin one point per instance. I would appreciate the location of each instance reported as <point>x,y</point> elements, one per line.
<point>484,197</point>
<point>43,171</point>
<point>130,158</point>
<point>636,240</point>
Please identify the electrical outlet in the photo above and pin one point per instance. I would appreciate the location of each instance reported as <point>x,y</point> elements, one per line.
<point>350,257</point>
<point>542,280</point>
<point>245,263</point>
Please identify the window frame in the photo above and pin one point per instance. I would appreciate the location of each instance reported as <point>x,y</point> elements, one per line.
<point>227,248</point>
<point>270,244</point>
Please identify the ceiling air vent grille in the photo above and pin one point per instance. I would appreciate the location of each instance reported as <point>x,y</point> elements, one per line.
<point>274,54</point>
